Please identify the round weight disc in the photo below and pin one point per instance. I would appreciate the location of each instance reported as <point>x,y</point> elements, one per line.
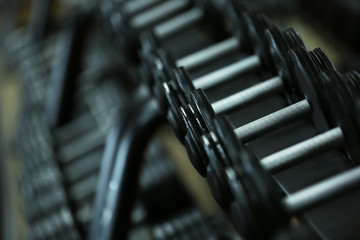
<point>307,73</point>
<point>216,177</point>
<point>205,112</point>
<point>184,82</point>
<point>192,141</point>
<point>174,115</point>
<point>268,211</point>
<point>345,109</point>
<point>228,141</point>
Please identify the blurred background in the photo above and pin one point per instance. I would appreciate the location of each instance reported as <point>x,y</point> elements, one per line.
<point>29,40</point>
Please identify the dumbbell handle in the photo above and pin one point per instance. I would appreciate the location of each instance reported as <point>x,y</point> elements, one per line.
<point>323,191</point>
<point>208,54</point>
<point>289,156</point>
<point>135,6</point>
<point>157,13</point>
<point>272,121</point>
<point>178,23</point>
<point>226,73</point>
<point>249,95</point>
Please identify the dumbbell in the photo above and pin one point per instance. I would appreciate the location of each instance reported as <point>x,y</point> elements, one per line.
<point>224,131</point>
<point>40,198</point>
<point>192,224</point>
<point>190,50</point>
<point>220,142</point>
<point>163,67</point>
<point>222,45</point>
<point>161,191</point>
<point>266,210</point>
<point>43,200</point>
<point>58,226</point>
<point>177,90</point>
<point>33,67</point>
<point>199,11</point>
<point>17,40</point>
<point>200,115</point>
<point>44,196</point>
<point>42,190</point>
<point>79,181</point>
<point>74,176</point>
<point>81,177</point>
<point>80,189</point>
<point>80,157</point>
<point>74,142</point>
<point>165,18</point>
<point>280,43</point>
<point>72,40</point>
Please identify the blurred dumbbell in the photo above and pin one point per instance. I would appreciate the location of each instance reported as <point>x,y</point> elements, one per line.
<point>176,84</point>
<point>200,112</point>
<point>257,200</point>
<point>223,132</point>
<point>193,225</point>
<point>165,18</point>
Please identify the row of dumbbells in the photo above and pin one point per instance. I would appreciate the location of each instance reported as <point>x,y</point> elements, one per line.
<point>70,155</point>
<point>61,162</point>
<point>215,64</point>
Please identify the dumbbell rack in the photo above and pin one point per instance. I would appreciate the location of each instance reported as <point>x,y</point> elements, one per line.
<point>269,107</point>
<point>236,51</point>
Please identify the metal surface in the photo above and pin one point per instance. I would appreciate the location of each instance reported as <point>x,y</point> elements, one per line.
<point>157,13</point>
<point>208,54</point>
<point>226,73</point>
<point>178,23</point>
<point>133,7</point>
<point>249,95</point>
<point>302,151</point>
<point>320,192</point>
<point>272,121</point>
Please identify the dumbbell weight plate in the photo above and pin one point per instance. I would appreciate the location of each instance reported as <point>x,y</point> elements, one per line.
<point>216,174</point>
<point>307,76</point>
<point>345,111</point>
<point>264,198</point>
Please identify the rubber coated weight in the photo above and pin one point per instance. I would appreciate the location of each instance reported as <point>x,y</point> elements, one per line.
<point>306,78</point>
<point>344,108</point>
<point>204,112</point>
<point>263,193</point>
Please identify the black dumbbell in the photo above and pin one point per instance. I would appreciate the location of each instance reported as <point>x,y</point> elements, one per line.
<point>33,67</point>
<point>280,43</point>
<point>38,139</point>
<point>45,201</point>
<point>219,141</point>
<point>266,211</point>
<point>193,225</point>
<point>177,91</point>
<point>218,145</point>
<point>164,18</point>
<point>59,225</point>
<point>191,51</point>
<point>161,191</point>
<point>204,114</point>
<point>249,175</point>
